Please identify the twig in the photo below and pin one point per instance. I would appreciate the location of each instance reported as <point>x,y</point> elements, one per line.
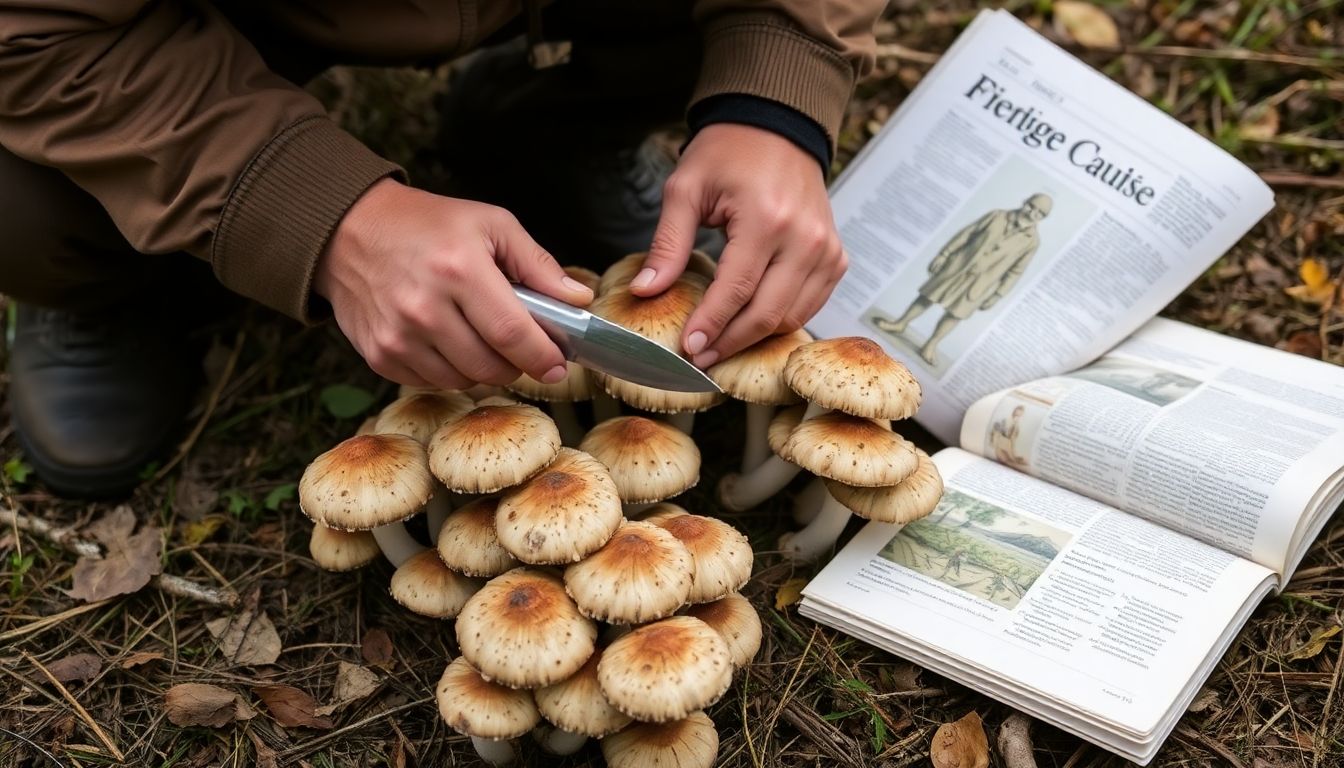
<point>202,593</point>
<point>52,620</point>
<point>1290,179</point>
<point>1321,729</point>
<point>209,411</point>
<point>299,750</point>
<point>79,709</point>
<point>827,737</point>
<point>1191,734</point>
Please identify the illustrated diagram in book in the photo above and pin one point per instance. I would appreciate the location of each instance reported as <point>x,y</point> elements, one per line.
<point>974,270</point>
<point>985,550</point>
<point>1013,427</point>
<point>1156,385</point>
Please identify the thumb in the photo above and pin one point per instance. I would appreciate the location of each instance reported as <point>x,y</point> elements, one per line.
<point>671,247</point>
<point>526,262</point>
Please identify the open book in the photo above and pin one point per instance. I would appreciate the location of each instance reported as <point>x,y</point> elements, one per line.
<point>1126,490</point>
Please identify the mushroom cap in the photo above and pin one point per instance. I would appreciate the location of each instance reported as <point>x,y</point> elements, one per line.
<point>756,374</point>
<point>665,670</point>
<point>420,414</point>
<point>523,631</point>
<point>855,375</point>
<point>782,425</point>
<point>561,515</point>
<point>851,449</point>
<point>736,621</point>
<point>720,555</point>
<point>366,481</point>
<point>493,447</point>
<point>424,585</point>
<point>691,742</point>
<point>576,387</point>
<point>335,550</point>
<point>910,499</point>
<point>468,544</point>
<point>660,318</point>
<point>474,706</point>
<point>623,270</point>
<point>577,705</point>
<point>642,573</point>
<point>661,511</point>
<point>649,460</point>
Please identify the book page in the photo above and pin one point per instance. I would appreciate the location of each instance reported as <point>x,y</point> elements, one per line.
<point>1238,445</point>
<point>1049,591</point>
<point>1019,215</point>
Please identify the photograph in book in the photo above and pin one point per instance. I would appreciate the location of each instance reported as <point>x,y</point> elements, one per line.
<point>982,549</point>
<point>1013,428</point>
<point>943,300</point>
<point>1156,385</point>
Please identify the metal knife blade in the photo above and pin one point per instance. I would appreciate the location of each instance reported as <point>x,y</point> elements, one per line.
<point>597,343</point>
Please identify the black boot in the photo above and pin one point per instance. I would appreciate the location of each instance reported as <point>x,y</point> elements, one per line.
<point>95,397</point>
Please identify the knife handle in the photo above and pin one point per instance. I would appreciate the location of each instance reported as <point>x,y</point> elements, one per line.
<point>562,322</point>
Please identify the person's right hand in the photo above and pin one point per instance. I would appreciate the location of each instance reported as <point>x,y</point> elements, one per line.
<point>418,284</point>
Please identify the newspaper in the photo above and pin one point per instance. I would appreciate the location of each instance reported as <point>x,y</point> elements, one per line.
<point>1019,215</point>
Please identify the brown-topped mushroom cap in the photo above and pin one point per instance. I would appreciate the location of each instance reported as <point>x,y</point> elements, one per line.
<point>661,511</point>
<point>426,586</point>
<point>642,573</point>
<point>419,415</point>
<point>649,460</point>
<point>665,670</point>
<point>468,544</point>
<point>493,447</point>
<point>335,550</point>
<point>851,449</point>
<point>474,706</point>
<point>855,375</point>
<point>623,270</point>
<point>756,374</point>
<point>914,497</point>
<point>577,705</point>
<point>366,481</point>
<point>567,511</point>
<point>721,556</point>
<point>691,742</point>
<point>736,621</point>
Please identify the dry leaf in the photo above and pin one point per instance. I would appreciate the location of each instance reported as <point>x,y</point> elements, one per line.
<point>195,533</point>
<point>291,707</point>
<point>1260,125</point>
<point>128,563</point>
<point>790,592</point>
<point>1207,698</point>
<point>246,639</point>
<point>904,676</point>
<point>1305,343</point>
<point>266,757</point>
<point>140,657</point>
<point>376,648</point>
<point>962,744</point>
<point>353,683</point>
<point>1089,25</point>
<point>80,666</point>
<point>1316,644</point>
<point>201,704</point>
<point>1316,287</point>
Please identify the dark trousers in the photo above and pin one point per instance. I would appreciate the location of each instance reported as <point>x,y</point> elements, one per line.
<point>513,135</point>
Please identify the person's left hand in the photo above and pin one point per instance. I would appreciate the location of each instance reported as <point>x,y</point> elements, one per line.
<point>783,255</point>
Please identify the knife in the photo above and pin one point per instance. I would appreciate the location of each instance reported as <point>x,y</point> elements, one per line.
<point>597,343</point>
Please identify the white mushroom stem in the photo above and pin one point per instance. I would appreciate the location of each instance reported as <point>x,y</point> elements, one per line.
<point>396,542</point>
<point>605,407</point>
<point>494,752</point>
<point>436,510</point>
<point>756,447</point>
<point>808,502</point>
<point>813,410</point>
<point>558,741</point>
<point>634,508</point>
<point>685,421</point>
<point>742,492</point>
<point>820,535</point>
<point>567,421</point>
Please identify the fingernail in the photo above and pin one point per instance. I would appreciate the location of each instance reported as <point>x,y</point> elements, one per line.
<point>555,375</point>
<point>696,342</point>
<point>574,285</point>
<point>707,359</point>
<point>644,278</point>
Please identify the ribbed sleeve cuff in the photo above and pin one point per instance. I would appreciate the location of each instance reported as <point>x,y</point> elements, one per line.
<point>285,207</point>
<point>762,55</point>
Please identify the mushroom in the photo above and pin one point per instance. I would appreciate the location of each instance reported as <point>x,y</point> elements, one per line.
<point>721,556</point>
<point>419,415</point>
<point>523,631</point>
<point>756,376</point>
<point>564,513</point>
<point>493,446</point>
<point>339,551</point>
<point>642,573</point>
<point>662,510</point>
<point>648,460</point>
<point>739,492</point>
<point>736,621</point>
<point>488,713</point>
<point>368,482</point>
<point>914,497</point>
<point>426,586</point>
<point>691,742</point>
<point>578,710</point>
<point>852,374</point>
<point>624,269</point>
<point>468,543</point>
<point>665,670</point>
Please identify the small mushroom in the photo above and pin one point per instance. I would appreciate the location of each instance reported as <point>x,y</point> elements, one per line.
<point>665,670</point>
<point>426,586</point>
<point>648,460</point>
<point>419,415</point>
<point>339,551</point>
<point>492,447</point>
<point>691,742</point>
<point>854,375</point>
<point>736,621</point>
<point>561,515</point>
<point>721,556</point>
<point>489,713</point>
<point>756,376</point>
<point>578,710</point>
<point>468,543</point>
<point>643,573</point>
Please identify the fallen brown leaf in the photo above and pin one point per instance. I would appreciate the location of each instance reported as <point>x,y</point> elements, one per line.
<point>1305,343</point>
<point>79,666</point>
<point>353,683</point>
<point>1260,125</point>
<point>1316,644</point>
<point>246,639</point>
<point>196,532</point>
<point>376,648</point>
<point>129,560</point>
<point>266,757</point>
<point>201,704</point>
<point>140,657</point>
<point>962,744</point>
<point>1085,23</point>
<point>789,593</point>
<point>291,707</point>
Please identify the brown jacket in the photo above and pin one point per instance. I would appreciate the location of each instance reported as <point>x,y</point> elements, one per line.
<point>166,113</point>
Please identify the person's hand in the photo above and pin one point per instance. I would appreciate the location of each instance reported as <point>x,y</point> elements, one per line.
<point>418,284</point>
<point>783,255</point>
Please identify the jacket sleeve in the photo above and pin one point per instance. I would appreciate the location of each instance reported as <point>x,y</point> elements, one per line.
<point>804,54</point>
<point>170,118</point>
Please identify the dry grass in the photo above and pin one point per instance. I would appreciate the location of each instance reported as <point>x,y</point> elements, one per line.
<point>814,697</point>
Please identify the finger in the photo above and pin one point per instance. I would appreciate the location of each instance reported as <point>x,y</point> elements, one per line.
<point>458,344</point>
<point>497,316</point>
<point>673,238</point>
<point>772,301</point>
<point>740,268</point>
<point>395,371</point>
<point>430,365</point>
<point>526,262</point>
<point>815,291</point>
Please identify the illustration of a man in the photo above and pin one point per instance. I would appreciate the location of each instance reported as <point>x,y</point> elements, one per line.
<point>976,268</point>
<point>1002,436</point>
